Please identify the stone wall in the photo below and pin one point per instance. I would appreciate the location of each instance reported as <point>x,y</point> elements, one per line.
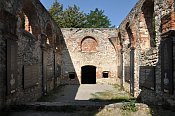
<point>2,68</point>
<point>30,56</point>
<point>35,56</point>
<point>89,47</point>
<point>143,30</point>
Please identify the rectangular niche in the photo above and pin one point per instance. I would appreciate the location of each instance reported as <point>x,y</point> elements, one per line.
<point>147,77</point>
<point>105,74</point>
<point>71,75</point>
<point>167,65</point>
<point>30,75</point>
<point>49,72</point>
<point>11,66</point>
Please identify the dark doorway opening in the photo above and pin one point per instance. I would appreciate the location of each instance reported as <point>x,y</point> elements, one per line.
<point>88,75</point>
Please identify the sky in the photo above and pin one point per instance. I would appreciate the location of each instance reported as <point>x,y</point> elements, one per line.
<point>116,10</point>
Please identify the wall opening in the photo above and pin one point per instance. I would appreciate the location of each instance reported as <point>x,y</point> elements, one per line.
<point>105,74</point>
<point>147,24</point>
<point>88,75</point>
<point>71,75</point>
<point>29,19</point>
<point>49,34</point>
<point>25,23</point>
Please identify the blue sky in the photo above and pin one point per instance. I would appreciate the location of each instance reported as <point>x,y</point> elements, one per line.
<point>116,10</point>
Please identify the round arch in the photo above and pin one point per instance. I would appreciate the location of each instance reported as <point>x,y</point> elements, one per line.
<point>89,44</point>
<point>30,19</point>
<point>49,33</point>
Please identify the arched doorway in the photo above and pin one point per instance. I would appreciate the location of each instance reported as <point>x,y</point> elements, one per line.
<point>88,74</point>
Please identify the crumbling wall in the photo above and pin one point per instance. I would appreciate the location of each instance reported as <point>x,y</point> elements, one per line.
<point>27,32</point>
<point>89,47</point>
<point>143,30</point>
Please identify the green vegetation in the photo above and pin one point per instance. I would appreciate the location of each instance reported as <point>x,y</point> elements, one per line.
<point>129,106</point>
<point>72,17</point>
<point>112,96</point>
<point>97,19</point>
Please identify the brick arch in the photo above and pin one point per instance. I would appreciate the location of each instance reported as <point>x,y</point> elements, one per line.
<point>29,18</point>
<point>120,39</point>
<point>147,25</point>
<point>49,33</point>
<point>129,33</point>
<point>89,44</point>
<point>58,42</point>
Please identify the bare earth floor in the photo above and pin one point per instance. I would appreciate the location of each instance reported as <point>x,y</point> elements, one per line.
<point>88,100</point>
<point>77,92</point>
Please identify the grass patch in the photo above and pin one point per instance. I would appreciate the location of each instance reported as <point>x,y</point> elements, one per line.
<point>115,95</point>
<point>129,106</point>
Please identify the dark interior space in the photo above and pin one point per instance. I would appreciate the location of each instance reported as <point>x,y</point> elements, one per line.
<point>88,75</point>
<point>71,75</point>
<point>105,74</point>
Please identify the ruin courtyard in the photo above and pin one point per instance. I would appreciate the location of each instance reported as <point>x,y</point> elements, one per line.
<point>38,58</point>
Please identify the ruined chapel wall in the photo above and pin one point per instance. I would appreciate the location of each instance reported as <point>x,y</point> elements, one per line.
<point>147,56</point>
<point>29,51</point>
<point>104,58</point>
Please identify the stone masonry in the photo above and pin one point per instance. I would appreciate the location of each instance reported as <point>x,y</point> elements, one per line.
<point>89,47</point>
<point>36,56</point>
<point>143,31</point>
<point>29,52</point>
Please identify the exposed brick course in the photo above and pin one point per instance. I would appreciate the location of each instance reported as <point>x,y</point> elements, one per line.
<point>57,53</point>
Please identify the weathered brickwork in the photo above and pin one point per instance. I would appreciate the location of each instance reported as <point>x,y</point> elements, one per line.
<point>29,35</point>
<point>89,47</point>
<point>36,55</point>
<point>143,31</point>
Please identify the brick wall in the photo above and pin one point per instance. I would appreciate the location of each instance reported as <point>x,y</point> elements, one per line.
<point>146,26</point>
<point>89,47</point>
<point>28,82</point>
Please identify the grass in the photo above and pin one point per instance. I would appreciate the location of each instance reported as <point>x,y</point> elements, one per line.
<point>114,96</point>
<point>129,106</point>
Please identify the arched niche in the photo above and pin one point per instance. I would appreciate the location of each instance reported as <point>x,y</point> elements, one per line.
<point>58,43</point>
<point>48,30</point>
<point>29,18</point>
<point>147,25</point>
<point>89,44</point>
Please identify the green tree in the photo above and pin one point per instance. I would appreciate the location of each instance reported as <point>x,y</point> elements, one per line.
<point>56,12</point>
<point>97,19</point>
<point>73,18</point>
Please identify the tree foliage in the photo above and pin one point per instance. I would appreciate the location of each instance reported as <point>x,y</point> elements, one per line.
<point>56,12</point>
<point>72,17</point>
<point>97,19</point>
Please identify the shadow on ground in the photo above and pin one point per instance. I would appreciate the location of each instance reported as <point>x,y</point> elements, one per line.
<point>110,101</point>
